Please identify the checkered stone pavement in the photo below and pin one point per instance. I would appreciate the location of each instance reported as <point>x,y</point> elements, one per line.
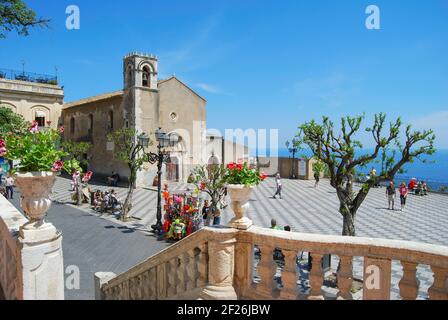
<point>315,210</point>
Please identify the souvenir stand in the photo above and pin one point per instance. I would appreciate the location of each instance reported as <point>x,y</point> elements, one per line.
<point>182,214</point>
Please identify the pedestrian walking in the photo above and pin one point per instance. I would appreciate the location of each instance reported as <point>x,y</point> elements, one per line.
<point>390,194</point>
<point>316,178</point>
<point>403,195</point>
<point>278,183</point>
<point>9,185</point>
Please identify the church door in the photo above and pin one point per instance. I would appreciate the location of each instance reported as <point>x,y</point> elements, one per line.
<point>172,170</point>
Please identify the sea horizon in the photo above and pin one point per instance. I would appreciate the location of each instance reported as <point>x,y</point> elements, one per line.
<point>434,172</point>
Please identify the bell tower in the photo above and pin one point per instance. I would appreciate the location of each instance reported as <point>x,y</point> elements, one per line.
<point>140,70</point>
<point>141,98</point>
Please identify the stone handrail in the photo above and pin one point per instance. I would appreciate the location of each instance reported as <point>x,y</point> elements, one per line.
<point>219,263</point>
<point>10,277</point>
<point>178,271</point>
<point>31,262</point>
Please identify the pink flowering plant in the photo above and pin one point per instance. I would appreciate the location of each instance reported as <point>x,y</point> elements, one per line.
<point>36,150</point>
<point>242,173</point>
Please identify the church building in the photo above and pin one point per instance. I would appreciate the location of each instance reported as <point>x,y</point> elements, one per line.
<point>145,103</point>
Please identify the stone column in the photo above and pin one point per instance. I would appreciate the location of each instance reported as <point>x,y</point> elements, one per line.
<point>42,262</point>
<point>377,278</point>
<point>102,278</point>
<point>221,259</point>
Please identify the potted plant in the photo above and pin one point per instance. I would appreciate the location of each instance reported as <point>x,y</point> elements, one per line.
<point>39,157</point>
<point>241,180</point>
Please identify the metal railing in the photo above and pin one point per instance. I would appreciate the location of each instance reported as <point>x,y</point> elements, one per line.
<point>28,76</point>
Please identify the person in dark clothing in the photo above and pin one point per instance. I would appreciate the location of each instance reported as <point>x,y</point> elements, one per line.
<point>206,214</point>
<point>390,194</point>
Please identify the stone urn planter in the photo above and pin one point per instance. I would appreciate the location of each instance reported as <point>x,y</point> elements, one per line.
<point>35,188</point>
<point>239,196</point>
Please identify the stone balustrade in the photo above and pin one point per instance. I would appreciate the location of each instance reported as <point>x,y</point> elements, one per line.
<point>219,263</point>
<point>31,262</point>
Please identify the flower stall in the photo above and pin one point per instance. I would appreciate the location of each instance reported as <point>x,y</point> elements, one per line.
<point>182,214</point>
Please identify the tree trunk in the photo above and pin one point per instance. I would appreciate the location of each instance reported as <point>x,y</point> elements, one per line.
<point>127,206</point>
<point>348,227</point>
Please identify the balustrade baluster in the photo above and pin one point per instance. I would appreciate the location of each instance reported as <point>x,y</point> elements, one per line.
<point>439,289</point>
<point>409,283</point>
<point>190,273</point>
<point>171,278</point>
<point>266,270</point>
<point>181,266</point>
<point>162,281</point>
<point>151,284</point>
<point>345,277</point>
<point>202,266</point>
<point>316,277</point>
<point>244,254</point>
<point>289,275</point>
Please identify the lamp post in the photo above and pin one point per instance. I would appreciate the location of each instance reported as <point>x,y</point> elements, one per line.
<point>163,140</point>
<point>293,150</point>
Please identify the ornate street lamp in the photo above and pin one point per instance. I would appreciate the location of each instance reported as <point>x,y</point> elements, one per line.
<point>163,141</point>
<point>294,149</point>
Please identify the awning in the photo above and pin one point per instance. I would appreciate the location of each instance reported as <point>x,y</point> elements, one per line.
<point>40,114</point>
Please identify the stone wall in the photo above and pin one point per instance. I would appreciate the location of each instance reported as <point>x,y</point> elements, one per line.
<point>27,98</point>
<point>303,169</point>
<point>102,160</point>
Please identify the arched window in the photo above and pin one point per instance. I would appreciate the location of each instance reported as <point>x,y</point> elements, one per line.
<point>40,118</point>
<point>145,76</point>
<point>72,125</point>
<point>111,119</point>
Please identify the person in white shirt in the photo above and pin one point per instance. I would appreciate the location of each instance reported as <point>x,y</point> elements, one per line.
<point>1,175</point>
<point>279,186</point>
<point>9,184</point>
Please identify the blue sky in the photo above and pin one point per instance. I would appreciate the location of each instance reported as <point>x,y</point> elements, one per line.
<point>260,64</point>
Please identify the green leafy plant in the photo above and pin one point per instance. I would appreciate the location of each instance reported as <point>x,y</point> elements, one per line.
<point>210,179</point>
<point>16,15</point>
<point>319,167</point>
<point>36,150</point>
<point>76,150</point>
<point>237,173</point>
<point>10,122</point>
<point>130,152</point>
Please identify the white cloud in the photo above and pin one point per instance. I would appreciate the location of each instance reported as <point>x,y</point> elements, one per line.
<point>207,87</point>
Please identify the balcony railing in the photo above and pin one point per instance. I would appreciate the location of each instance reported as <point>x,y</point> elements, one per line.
<point>28,76</point>
<point>224,263</point>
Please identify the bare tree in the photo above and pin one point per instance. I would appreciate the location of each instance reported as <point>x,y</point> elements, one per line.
<point>338,151</point>
<point>130,152</point>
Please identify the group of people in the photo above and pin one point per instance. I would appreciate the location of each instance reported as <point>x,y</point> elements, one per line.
<point>103,201</point>
<point>420,188</point>
<point>113,179</point>
<point>210,215</point>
